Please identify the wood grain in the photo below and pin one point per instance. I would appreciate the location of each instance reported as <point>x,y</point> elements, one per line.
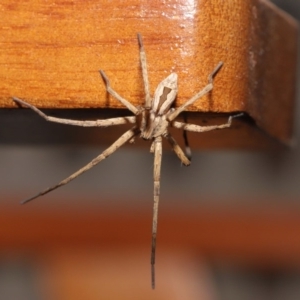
<point>50,54</point>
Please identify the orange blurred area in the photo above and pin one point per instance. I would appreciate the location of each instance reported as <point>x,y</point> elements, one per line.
<point>101,253</point>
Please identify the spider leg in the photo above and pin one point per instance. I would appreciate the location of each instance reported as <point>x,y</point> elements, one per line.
<point>152,146</point>
<point>111,149</point>
<point>126,103</point>
<point>198,128</point>
<point>95,123</point>
<point>156,178</point>
<point>178,151</point>
<point>144,72</point>
<point>200,94</point>
<point>188,151</point>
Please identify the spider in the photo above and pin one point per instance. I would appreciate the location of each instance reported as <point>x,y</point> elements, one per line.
<point>150,122</point>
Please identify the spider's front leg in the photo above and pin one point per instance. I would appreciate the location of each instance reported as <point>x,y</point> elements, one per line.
<point>111,91</point>
<point>199,95</point>
<point>156,177</point>
<point>143,61</point>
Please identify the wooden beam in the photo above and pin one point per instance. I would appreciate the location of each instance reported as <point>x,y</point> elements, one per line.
<point>50,54</point>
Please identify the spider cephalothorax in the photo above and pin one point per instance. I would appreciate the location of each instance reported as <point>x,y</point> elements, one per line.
<point>150,122</point>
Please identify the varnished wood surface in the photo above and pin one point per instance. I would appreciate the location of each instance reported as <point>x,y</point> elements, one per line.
<point>50,54</point>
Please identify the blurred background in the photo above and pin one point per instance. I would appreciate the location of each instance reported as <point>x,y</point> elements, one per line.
<point>228,225</point>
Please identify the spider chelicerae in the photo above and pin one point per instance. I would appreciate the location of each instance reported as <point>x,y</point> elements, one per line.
<point>150,122</point>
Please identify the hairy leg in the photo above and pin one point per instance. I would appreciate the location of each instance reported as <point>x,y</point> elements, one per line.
<point>111,91</point>
<point>156,178</point>
<point>198,128</point>
<point>95,123</point>
<point>143,61</point>
<point>178,151</point>
<point>200,94</point>
<point>110,150</point>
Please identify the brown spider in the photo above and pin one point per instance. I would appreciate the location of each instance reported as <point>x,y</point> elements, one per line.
<point>150,122</point>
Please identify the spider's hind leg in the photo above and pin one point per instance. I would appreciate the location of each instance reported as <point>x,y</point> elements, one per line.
<point>110,150</point>
<point>188,151</point>
<point>199,128</point>
<point>157,145</point>
<point>178,151</point>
